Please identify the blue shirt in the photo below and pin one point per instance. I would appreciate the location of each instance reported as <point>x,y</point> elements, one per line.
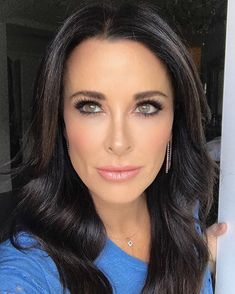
<point>34,272</point>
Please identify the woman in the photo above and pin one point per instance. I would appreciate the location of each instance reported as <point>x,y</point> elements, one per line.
<point>116,166</point>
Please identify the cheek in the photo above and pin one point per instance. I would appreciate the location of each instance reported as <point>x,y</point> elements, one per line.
<point>159,140</point>
<point>153,144</point>
<point>156,150</point>
<point>82,138</point>
<point>155,138</point>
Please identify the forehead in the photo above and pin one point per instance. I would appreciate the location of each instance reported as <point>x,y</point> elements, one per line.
<point>105,63</point>
<point>115,53</point>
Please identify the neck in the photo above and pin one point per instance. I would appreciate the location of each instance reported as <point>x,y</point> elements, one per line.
<point>124,219</point>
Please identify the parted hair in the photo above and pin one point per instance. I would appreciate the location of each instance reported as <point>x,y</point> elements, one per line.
<point>54,204</point>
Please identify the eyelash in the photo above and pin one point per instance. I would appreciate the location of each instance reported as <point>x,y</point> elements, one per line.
<point>79,105</point>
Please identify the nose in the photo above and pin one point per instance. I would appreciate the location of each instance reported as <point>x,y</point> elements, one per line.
<point>118,140</point>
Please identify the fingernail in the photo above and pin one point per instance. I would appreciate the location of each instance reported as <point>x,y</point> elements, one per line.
<point>221,225</point>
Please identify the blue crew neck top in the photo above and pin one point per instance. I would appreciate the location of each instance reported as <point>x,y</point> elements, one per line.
<point>34,272</point>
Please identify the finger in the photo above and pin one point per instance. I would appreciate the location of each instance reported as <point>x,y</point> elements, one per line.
<point>217,229</point>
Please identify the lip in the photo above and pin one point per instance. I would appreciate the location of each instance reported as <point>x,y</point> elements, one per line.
<point>113,168</point>
<point>118,173</point>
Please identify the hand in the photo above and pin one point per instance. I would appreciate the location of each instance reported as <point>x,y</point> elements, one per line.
<point>212,233</point>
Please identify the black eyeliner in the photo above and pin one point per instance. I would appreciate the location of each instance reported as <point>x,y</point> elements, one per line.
<point>82,102</point>
<point>152,102</point>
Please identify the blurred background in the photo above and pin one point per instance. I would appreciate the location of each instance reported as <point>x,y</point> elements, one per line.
<point>27,27</point>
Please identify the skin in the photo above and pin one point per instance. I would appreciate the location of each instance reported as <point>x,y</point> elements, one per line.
<point>212,233</point>
<point>119,70</point>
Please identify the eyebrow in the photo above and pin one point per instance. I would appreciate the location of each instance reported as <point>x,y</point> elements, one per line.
<point>101,96</point>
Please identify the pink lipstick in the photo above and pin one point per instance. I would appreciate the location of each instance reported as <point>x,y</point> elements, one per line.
<point>118,173</point>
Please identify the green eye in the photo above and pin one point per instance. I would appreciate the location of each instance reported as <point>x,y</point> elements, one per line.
<point>150,107</point>
<point>88,107</point>
<point>146,108</point>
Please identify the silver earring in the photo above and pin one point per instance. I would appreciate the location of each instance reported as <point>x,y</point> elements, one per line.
<point>168,156</point>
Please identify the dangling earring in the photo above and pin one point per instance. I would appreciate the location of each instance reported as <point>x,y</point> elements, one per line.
<point>168,156</point>
<point>67,144</point>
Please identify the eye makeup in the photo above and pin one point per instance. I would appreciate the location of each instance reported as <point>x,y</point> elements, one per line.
<point>81,103</point>
<point>153,103</point>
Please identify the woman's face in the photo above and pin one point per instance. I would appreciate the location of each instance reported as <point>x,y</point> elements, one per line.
<point>123,124</point>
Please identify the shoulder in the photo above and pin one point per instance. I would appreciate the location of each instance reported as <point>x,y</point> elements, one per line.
<point>30,270</point>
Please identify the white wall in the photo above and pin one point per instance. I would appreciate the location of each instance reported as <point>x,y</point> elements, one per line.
<point>225,274</point>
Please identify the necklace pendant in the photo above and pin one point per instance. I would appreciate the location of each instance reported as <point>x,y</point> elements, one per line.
<point>130,243</point>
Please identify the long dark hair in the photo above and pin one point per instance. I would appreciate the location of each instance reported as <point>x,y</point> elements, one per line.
<point>55,205</point>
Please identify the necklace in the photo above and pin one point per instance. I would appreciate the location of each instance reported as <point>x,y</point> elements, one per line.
<point>128,240</point>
